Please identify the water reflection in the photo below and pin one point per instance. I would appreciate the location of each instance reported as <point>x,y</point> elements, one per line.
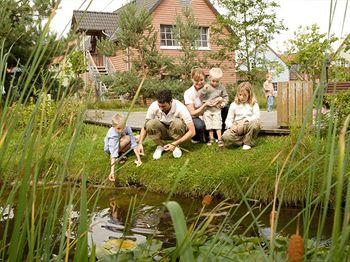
<point>6,213</point>
<point>109,223</point>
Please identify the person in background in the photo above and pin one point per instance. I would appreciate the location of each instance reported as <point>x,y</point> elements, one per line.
<point>118,140</point>
<point>243,118</point>
<point>215,95</point>
<point>167,119</point>
<point>269,92</point>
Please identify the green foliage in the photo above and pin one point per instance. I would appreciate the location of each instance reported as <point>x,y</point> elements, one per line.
<point>122,83</point>
<point>21,26</point>
<point>106,47</point>
<point>77,62</point>
<point>341,102</point>
<point>114,104</point>
<point>338,73</point>
<point>254,23</point>
<point>46,111</point>
<point>310,47</point>
<point>186,32</point>
<point>226,42</point>
<point>146,251</point>
<point>137,34</point>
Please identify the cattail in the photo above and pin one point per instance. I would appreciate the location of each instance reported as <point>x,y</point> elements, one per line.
<point>207,200</point>
<point>295,250</point>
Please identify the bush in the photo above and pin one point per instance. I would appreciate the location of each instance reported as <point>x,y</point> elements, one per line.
<point>128,82</point>
<point>121,83</point>
<point>341,102</point>
<point>66,112</point>
<point>153,86</point>
<point>231,91</point>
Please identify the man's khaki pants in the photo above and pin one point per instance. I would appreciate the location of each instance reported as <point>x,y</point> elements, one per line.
<point>251,130</point>
<point>157,130</point>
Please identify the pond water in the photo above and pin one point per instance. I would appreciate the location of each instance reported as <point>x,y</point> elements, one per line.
<point>113,217</point>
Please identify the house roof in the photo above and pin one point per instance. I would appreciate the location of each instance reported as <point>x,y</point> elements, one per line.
<point>95,21</point>
<point>341,47</point>
<point>105,21</point>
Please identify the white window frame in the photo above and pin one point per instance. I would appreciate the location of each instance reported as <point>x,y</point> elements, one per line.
<point>201,40</point>
<point>178,47</point>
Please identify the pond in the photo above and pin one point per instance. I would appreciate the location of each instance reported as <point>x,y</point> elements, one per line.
<point>136,215</point>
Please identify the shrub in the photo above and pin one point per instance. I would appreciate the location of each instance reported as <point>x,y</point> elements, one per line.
<point>66,112</point>
<point>231,91</point>
<point>122,82</point>
<point>153,85</point>
<point>127,82</point>
<point>341,102</point>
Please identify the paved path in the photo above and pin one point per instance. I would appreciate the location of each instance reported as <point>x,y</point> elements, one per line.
<point>136,120</point>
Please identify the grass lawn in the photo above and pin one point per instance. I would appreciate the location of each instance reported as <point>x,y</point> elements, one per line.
<point>198,172</point>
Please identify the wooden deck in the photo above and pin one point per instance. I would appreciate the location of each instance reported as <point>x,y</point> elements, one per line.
<point>137,120</point>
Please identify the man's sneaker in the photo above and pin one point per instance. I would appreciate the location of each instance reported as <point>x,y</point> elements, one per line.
<point>177,153</point>
<point>195,141</point>
<point>158,152</point>
<point>246,147</point>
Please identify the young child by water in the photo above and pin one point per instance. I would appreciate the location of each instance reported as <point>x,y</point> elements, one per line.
<point>243,119</point>
<point>269,92</point>
<point>216,95</point>
<point>119,139</point>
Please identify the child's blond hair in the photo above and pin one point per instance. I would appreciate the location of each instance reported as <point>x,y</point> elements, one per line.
<point>196,73</point>
<point>246,87</point>
<point>215,73</point>
<point>117,119</point>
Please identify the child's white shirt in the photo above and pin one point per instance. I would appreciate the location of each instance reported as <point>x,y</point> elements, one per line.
<point>240,112</point>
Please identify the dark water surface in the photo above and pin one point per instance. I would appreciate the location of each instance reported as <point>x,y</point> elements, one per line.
<point>116,215</point>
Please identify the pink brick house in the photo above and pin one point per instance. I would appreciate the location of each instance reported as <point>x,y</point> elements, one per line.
<point>101,24</point>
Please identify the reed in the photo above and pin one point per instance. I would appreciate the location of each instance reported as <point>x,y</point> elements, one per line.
<point>42,226</point>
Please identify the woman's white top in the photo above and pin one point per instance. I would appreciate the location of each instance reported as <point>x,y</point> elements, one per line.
<point>191,96</point>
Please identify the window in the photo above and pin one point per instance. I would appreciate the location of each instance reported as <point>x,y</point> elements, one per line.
<point>167,38</point>
<point>203,37</point>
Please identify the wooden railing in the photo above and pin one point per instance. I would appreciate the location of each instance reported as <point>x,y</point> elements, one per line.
<point>109,65</point>
<point>100,88</point>
<point>336,87</point>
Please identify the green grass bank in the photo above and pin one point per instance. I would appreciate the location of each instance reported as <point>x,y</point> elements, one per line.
<point>231,171</point>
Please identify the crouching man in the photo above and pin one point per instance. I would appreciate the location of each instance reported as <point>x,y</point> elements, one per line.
<point>167,119</point>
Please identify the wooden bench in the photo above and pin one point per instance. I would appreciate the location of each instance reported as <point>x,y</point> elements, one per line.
<point>337,87</point>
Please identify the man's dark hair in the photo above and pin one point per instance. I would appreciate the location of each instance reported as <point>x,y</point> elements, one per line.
<point>164,96</point>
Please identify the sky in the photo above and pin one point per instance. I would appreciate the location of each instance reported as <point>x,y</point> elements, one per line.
<point>293,13</point>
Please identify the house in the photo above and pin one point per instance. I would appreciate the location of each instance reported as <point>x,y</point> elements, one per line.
<point>97,25</point>
<point>279,69</point>
<point>294,68</point>
<point>343,52</point>
<point>273,63</point>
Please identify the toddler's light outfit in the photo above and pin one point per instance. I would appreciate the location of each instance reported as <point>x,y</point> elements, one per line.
<point>212,114</point>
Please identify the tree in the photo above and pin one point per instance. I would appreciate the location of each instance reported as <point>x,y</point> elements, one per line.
<point>254,23</point>
<point>21,28</point>
<point>137,35</point>
<point>186,33</point>
<point>310,47</point>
